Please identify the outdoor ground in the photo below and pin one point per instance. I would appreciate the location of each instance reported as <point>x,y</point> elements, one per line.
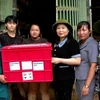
<point>74,95</point>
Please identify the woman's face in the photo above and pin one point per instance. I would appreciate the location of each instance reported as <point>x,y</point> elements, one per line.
<point>11,26</point>
<point>83,33</point>
<point>35,31</point>
<point>62,31</point>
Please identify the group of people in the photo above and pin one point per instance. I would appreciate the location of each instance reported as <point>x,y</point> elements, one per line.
<point>69,54</point>
<point>73,61</point>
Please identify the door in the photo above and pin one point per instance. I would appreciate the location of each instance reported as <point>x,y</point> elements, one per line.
<point>7,7</point>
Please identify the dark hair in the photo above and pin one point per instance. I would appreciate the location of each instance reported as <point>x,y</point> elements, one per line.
<point>67,25</point>
<point>70,36</point>
<point>11,18</point>
<point>81,23</point>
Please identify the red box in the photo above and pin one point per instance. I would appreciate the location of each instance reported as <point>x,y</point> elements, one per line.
<point>27,62</point>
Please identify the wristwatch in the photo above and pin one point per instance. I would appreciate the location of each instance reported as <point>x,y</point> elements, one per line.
<point>86,86</point>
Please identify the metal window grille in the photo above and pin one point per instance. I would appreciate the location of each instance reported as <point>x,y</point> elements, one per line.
<point>73,11</point>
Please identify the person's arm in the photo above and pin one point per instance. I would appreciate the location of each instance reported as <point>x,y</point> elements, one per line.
<point>74,52</point>
<point>2,79</point>
<point>93,57</point>
<point>85,89</point>
<point>70,61</point>
<point>91,74</point>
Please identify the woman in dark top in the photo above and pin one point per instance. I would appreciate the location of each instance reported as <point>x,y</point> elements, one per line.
<point>36,37</point>
<point>66,55</point>
<point>8,38</point>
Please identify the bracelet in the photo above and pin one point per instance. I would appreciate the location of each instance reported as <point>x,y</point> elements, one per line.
<point>86,86</point>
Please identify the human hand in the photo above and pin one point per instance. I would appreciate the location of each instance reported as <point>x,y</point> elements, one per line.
<point>2,79</point>
<point>55,60</point>
<point>84,91</point>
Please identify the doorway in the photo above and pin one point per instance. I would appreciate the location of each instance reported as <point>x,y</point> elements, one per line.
<point>42,12</point>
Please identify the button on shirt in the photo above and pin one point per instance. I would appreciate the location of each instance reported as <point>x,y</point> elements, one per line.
<point>59,45</point>
<point>65,49</point>
<point>89,53</point>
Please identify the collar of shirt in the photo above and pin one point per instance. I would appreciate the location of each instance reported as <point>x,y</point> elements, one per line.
<point>62,42</point>
<point>86,42</point>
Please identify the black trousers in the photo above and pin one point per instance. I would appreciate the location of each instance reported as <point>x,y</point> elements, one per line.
<point>63,89</point>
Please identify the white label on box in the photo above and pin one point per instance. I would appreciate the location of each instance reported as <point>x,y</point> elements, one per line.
<point>14,65</point>
<point>27,75</point>
<point>26,65</point>
<point>38,65</point>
